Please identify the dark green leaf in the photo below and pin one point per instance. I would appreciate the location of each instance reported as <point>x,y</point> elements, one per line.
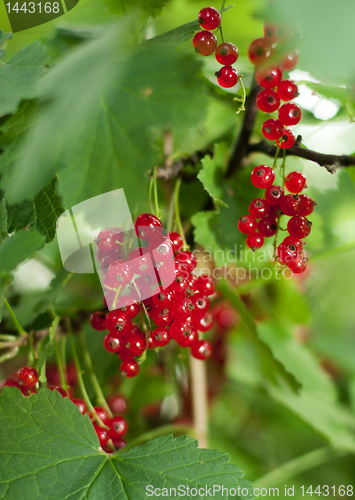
<point>52,451</point>
<point>40,213</point>
<point>102,142</point>
<point>176,36</point>
<point>19,247</point>
<point>3,221</point>
<point>19,76</point>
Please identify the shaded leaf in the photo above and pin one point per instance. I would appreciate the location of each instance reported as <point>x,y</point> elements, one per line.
<point>45,349</point>
<point>19,247</point>
<point>211,174</point>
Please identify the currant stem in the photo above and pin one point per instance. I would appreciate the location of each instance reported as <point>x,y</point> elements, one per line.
<point>276,156</point>
<point>155,188</point>
<point>59,360</point>
<point>9,355</point>
<point>198,378</point>
<point>242,100</point>
<point>15,320</point>
<point>177,213</point>
<point>97,388</point>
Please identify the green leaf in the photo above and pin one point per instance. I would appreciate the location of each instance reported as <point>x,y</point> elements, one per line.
<point>211,174</point>
<point>52,451</point>
<point>5,280</point>
<point>151,7</point>
<point>3,221</point>
<point>103,140</point>
<point>176,36</point>
<point>273,368</point>
<point>40,213</point>
<point>3,38</point>
<point>19,76</point>
<point>45,349</point>
<point>19,247</point>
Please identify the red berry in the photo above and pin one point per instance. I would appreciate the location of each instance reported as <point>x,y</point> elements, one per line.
<point>267,101</point>
<point>247,224</point>
<point>299,227</point>
<point>272,32</point>
<point>287,252</point>
<point>289,114</point>
<point>120,272</point>
<point>259,208</point>
<point>295,182</point>
<point>227,76</point>
<point>101,413</point>
<point>289,61</point>
<point>209,18</point>
<point>182,307</point>
<point>205,43</point>
<point>176,240</point>
<point>287,140</point>
<point>61,391</point>
<point>119,443</point>
<point>80,403</point>
<point>180,329</point>
<point>272,129</point>
<point>203,323</point>
<point>108,239</point>
<point>200,302</point>
<point>267,226</point>
<point>117,427</point>
<point>259,50</point>
<point>129,368</point>
<point>187,259</point>
<point>102,434</point>
<point>268,78</point>
<point>27,376</point>
<point>294,241</point>
<point>162,297</point>
<point>132,309</point>
<point>205,285</point>
<point>192,285</point>
<point>118,403</point>
<point>287,90</point>
<point>226,54</point>
<point>147,225</point>
<point>135,343</point>
<point>274,194</point>
<point>298,265</point>
<point>97,321</point>
<point>201,349</point>
<point>255,241</point>
<point>262,176</point>
<point>187,341</point>
<point>290,205</point>
<point>118,321</point>
<point>161,248</point>
<point>307,205</point>
<point>160,337</point>
<point>162,317</point>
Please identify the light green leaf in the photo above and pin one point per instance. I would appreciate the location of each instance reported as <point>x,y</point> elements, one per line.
<point>40,213</point>
<point>3,221</point>
<point>176,36</point>
<point>103,139</point>
<point>19,247</point>
<point>5,280</point>
<point>19,76</point>
<point>4,37</point>
<point>52,451</point>
<point>211,174</point>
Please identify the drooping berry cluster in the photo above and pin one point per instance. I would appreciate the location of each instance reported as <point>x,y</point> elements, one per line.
<point>276,90</point>
<point>176,300</point>
<point>205,43</point>
<point>263,220</point>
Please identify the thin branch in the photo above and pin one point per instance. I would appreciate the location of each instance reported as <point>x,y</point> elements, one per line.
<point>172,169</point>
<point>324,160</point>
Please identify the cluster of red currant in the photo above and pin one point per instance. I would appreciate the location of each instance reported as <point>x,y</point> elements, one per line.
<point>269,76</point>
<point>265,213</point>
<point>111,427</point>
<point>205,43</point>
<point>176,299</point>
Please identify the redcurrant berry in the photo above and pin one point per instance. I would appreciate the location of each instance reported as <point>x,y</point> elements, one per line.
<point>147,225</point>
<point>268,78</point>
<point>259,208</point>
<point>267,101</point>
<point>205,285</point>
<point>227,76</point>
<point>162,317</point>
<point>182,307</point>
<point>286,253</point>
<point>120,272</point>
<point>80,403</point>
<point>272,32</point>
<point>102,434</point>
<point>27,376</point>
<point>101,413</point>
<point>187,259</point>
<point>118,321</point>
<point>209,18</point>
<point>259,50</point>
<point>176,240</point>
<point>299,227</point>
<point>247,224</point>
<point>203,323</point>
<point>255,241</point>
<point>298,265</point>
<point>201,349</point>
<point>274,194</point>
<point>160,337</point>
<point>289,114</point>
<point>129,368</point>
<point>289,61</point>
<point>262,176</point>
<point>118,403</point>
<point>290,205</point>
<point>180,329</point>
<point>307,205</point>
<point>108,239</point>
<point>272,129</point>
<point>117,427</point>
<point>287,140</point>
<point>61,391</point>
<point>200,302</point>
<point>295,182</point>
<point>135,343</point>
<point>267,226</point>
<point>205,43</point>
<point>97,321</point>
<point>287,90</point>
<point>226,54</point>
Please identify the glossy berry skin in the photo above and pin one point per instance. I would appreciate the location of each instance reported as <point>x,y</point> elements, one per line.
<point>290,205</point>
<point>259,50</point>
<point>290,240</point>
<point>161,248</point>
<point>227,77</point>
<point>289,61</point>
<point>247,224</point>
<point>192,284</point>
<point>80,403</point>
<point>262,176</point>
<point>97,321</point>
<point>274,194</point>
<point>120,272</point>
<point>268,78</point>
<point>117,427</point>
<point>176,241</point>
<point>61,391</point>
<point>267,101</point>
<point>205,43</point>
<point>136,343</point>
<point>162,298</point>
<point>272,129</point>
<point>101,413</point>
<point>295,182</point>
<point>201,303</point>
<point>102,434</point>
<point>106,239</point>
<point>201,349</point>
<point>255,241</point>
<point>180,329</point>
<point>187,341</point>
<point>307,205</point>
<point>129,368</point>
<point>298,265</point>
<point>118,403</point>
<point>203,323</point>
<point>287,251</point>
<point>118,321</point>
<point>287,90</point>
<point>209,18</point>
<point>299,227</point>
<point>287,140</point>
<point>182,307</point>
<point>259,208</point>
<point>160,337</point>
<point>289,114</point>
<point>162,317</point>
<point>132,309</point>
<point>27,376</point>
<point>267,226</point>
<point>226,54</point>
<point>147,225</point>
<point>205,285</point>
<point>186,259</point>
